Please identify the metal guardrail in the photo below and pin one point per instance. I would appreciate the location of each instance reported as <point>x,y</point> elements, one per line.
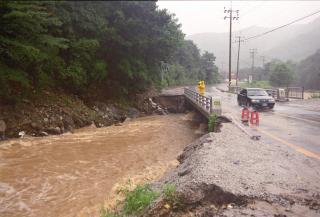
<point>295,92</point>
<point>203,103</point>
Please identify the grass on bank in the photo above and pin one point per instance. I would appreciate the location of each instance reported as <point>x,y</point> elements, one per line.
<point>212,123</point>
<point>170,195</point>
<point>137,200</point>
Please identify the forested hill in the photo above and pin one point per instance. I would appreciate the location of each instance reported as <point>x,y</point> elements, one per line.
<point>114,47</point>
<point>295,42</point>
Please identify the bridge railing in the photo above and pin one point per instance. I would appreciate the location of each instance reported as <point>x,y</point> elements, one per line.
<point>204,102</point>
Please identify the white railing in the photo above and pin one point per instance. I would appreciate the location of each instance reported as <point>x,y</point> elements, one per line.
<point>203,102</point>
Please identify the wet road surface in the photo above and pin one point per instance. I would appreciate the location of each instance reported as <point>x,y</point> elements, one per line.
<point>295,124</point>
<point>62,175</point>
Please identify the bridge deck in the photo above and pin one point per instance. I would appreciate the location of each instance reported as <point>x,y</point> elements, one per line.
<point>202,103</point>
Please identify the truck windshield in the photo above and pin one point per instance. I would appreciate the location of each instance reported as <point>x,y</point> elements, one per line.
<point>257,93</point>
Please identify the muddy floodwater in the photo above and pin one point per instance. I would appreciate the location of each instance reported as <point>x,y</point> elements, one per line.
<point>63,175</point>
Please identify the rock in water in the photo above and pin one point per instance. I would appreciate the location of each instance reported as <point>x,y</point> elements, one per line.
<point>54,130</point>
<point>22,134</point>
<point>43,133</point>
<point>133,113</point>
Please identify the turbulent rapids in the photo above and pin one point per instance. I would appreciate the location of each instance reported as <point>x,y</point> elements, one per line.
<point>67,174</point>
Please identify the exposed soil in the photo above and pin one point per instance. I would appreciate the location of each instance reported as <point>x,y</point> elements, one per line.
<point>228,174</point>
<point>52,113</point>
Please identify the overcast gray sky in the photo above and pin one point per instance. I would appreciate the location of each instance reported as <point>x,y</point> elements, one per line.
<point>207,16</point>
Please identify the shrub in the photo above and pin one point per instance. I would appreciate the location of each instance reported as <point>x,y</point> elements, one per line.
<point>138,199</point>
<point>170,195</point>
<point>212,122</point>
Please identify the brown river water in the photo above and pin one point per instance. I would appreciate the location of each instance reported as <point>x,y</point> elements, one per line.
<point>68,174</point>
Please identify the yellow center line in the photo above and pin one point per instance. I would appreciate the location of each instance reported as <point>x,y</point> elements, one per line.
<point>295,147</point>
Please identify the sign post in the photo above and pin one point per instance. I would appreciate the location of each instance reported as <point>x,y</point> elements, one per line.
<point>216,105</point>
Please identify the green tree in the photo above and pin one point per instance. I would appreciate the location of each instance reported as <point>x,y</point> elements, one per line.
<point>281,74</point>
<point>27,43</point>
<point>208,70</point>
<point>78,46</point>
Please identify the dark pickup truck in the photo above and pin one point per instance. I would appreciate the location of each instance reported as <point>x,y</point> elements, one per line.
<point>255,97</point>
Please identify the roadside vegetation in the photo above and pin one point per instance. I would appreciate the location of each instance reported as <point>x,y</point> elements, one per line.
<point>113,48</point>
<point>134,203</point>
<point>137,200</point>
<point>171,197</point>
<point>212,123</point>
<point>275,73</point>
<point>278,73</point>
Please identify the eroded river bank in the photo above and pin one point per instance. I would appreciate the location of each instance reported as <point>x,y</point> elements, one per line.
<point>68,174</point>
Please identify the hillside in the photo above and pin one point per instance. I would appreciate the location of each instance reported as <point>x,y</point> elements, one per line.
<point>294,42</point>
<point>308,71</point>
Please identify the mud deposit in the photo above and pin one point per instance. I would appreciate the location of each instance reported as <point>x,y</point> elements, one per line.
<point>67,174</point>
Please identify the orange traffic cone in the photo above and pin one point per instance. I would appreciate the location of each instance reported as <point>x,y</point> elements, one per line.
<point>245,115</point>
<point>254,118</point>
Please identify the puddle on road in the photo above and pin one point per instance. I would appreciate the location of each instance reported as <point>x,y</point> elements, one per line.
<point>63,175</point>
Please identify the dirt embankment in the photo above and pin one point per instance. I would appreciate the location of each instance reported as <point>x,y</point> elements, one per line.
<point>50,113</point>
<point>227,174</point>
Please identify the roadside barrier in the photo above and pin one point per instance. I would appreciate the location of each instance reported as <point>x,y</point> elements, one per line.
<point>245,114</point>
<point>254,118</point>
<point>216,105</point>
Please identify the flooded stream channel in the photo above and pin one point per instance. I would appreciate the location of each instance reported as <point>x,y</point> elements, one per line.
<point>62,175</point>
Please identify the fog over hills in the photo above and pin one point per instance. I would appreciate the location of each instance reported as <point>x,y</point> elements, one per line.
<point>295,42</point>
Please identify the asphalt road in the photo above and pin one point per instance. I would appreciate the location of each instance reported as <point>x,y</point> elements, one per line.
<point>295,124</point>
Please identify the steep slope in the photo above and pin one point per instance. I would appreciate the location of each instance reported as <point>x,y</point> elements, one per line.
<point>308,71</point>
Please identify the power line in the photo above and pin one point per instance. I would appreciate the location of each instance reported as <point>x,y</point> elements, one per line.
<point>280,27</point>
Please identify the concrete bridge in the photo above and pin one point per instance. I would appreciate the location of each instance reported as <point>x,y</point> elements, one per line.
<point>179,100</point>
<point>201,103</point>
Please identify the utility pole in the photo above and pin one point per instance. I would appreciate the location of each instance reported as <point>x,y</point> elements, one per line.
<point>231,18</point>
<point>239,41</point>
<point>263,60</point>
<point>252,53</point>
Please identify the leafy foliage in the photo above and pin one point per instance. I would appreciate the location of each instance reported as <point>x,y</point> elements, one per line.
<point>212,123</point>
<point>281,74</point>
<point>189,66</point>
<point>138,199</point>
<point>79,45</point>
<point>278,73</point>
<point>170,195</point>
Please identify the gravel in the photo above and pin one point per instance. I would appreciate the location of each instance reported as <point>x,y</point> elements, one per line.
<point>228,174</point>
